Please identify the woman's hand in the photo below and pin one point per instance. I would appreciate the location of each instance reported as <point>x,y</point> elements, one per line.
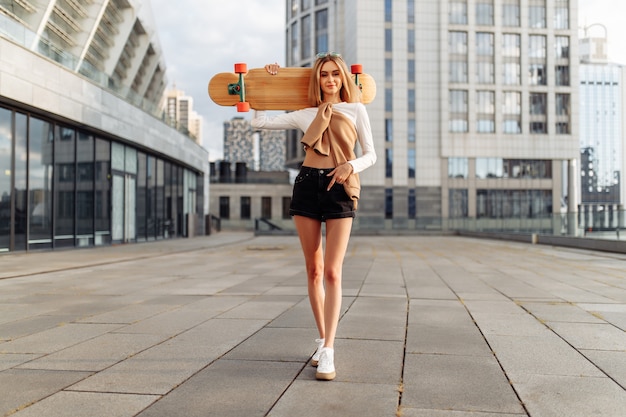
<point>340,174</point>
<point>272,68</point>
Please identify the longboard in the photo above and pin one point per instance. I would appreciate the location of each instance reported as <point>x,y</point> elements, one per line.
<point>288,90</point>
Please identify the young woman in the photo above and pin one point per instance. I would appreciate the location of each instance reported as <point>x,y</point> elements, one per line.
<point>327,187</point>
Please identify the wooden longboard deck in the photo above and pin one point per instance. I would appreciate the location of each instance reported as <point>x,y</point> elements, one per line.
<point>288,90</point>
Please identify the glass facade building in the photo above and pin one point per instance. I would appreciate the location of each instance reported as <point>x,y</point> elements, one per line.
<point>85,159</point>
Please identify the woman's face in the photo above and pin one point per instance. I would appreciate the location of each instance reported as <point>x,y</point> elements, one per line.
<point>330,81</point>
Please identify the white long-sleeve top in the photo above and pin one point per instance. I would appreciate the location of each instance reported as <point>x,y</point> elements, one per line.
<point>301,119</point>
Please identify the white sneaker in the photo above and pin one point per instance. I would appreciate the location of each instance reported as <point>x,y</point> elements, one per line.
<point>326,365</point>
<point>316,356</point>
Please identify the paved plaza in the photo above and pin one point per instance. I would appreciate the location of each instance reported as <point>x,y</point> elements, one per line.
<point>220,325</point>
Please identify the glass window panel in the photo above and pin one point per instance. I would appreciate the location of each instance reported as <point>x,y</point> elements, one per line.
<point>103,192</point>
<point>117,156</point>
<point>64,168</point>
<point>537,14</point>
<point>388,163</point>
<point>458,12</point>
<point>40,183</point>
<point>245,203</point>
<point>21,158</point>
<point>411,130</point>
<point>307,43</point>
<point>141,197</point>
<point>6,140</point>
<point>561,45</point>
<point>160,198</point>
<point>511,15</point>
<point>457,203</point>
<point>321,30</point>
<point>561,14</point>
<point>85,176</point>
<point>411,162</point>
<point>266,207</point>
<point>484,13</point>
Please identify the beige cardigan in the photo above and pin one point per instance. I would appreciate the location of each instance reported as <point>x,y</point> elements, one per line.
<point>333,134</point>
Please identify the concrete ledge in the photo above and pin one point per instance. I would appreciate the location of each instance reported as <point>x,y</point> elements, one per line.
<point>605,245</point>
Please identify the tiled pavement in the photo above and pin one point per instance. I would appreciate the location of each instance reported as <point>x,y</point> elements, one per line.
<point>221,326</point>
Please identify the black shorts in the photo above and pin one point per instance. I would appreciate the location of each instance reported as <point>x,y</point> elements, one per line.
<point>310,198</point>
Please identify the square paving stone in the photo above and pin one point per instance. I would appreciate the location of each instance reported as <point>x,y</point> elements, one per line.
<point>462,383</point>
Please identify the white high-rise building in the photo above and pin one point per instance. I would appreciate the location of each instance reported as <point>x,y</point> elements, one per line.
<point>473,122</point>
<point>602,134</point>
<point>178,108</point>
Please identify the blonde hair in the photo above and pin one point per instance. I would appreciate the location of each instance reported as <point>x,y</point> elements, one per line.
<point>349,92</point>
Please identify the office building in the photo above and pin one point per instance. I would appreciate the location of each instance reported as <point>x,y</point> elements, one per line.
<point>473,121</point>
<point>179,111</point>
<point>85,157</point>
<point>251,182</point>
<point>602,135</point>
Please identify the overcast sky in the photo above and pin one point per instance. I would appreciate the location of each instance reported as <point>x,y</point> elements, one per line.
<point>203,37</point>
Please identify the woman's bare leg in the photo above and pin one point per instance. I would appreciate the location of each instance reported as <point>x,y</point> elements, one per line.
<point>310,233</point>
<point>337,238</point>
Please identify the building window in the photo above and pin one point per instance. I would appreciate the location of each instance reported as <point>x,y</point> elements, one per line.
<point>295,43</point>
<point>410,11</point>
<point>388,10</point>
<point>561,46</point>
<point>511,53</point>
<point>388,163</point>
<point>224,207</point>
<point>411,71</point>
<point>307,45</point>
<point>321,30</point>
<point>245,207</point>
<point>562,112</point>
<point>411,130</point>
<point>457,47</point>
<point>537,14</point>
<point>485,58</point>
<point>537,74</point>
<point>411,100</point>
<point>537,60</point>
<point>458,111</point>
<point>561,74</point>
<point>561,14</point>
<point>286,205</point>
<point>388,69</point>
<point>502,204</point>
<point>458,168</point>
<point>457,12</point>
<point>510,13</point>
<point>538,104</point>
<point>411,41</point>
<point>388,203</point>
<point>484,12</point>
<point>411,162</point>
<point>388,99</point>
<point>266,207</point>
<point>512,112</point>
<point>485,120</point>
<point>457,203</point>
<point>412,203</point>
<point>388,40</point>
<point>388,130</point>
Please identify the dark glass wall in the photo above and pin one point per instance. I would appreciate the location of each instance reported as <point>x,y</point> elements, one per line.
<point>56,187</point>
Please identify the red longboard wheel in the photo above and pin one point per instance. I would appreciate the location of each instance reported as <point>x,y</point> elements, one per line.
<point>241,68</point>
<point>243,106</point>
<point>357,69</point>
